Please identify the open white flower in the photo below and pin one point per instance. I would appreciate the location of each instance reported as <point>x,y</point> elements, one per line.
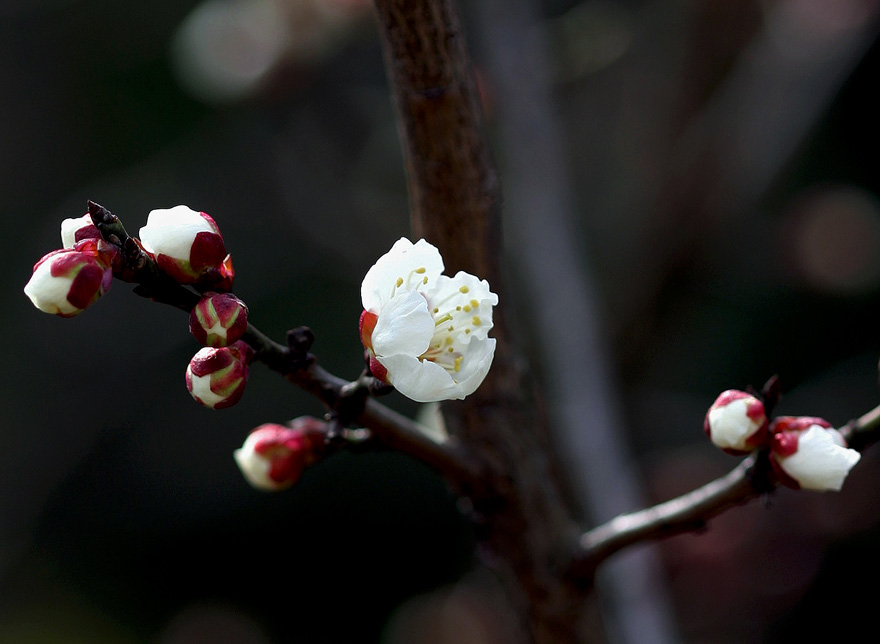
<point>427,333</point>
<point>808,453</point>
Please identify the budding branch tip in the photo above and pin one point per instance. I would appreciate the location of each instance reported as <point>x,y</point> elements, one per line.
<point>100,215</point>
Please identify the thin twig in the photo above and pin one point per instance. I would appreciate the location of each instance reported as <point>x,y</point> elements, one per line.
<point>389,428</point>
<point>691,512</point>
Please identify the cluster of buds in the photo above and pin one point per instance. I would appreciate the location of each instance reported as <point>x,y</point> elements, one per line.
<point>805,452</point>
<point>183,244</point>
<point>273,457</point>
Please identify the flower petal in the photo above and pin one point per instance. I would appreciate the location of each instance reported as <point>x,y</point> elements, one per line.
<point>419,380</point>
<point>254,470</point>
<point>820,462</point>
<point>426,381</point>
<point>400,264</point>
<point>49,293</point>
<point>202,392</point>
<point>74,230</point>
<point>467,300</point>
<point>172,231</point>
<point>404,326</point>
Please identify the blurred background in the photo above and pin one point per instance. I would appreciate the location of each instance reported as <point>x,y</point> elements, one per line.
<point>716,162</point>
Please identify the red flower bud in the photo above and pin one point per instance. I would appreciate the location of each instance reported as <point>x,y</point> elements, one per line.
<point>218,320</point>
<point>216,377</point>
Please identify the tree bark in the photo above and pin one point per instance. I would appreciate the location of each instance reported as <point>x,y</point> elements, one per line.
<point>524,522</point>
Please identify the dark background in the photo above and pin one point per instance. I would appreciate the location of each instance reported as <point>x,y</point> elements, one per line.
<point>731,227</point>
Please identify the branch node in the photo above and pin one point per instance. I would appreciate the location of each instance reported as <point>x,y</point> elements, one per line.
<point>299,341</point>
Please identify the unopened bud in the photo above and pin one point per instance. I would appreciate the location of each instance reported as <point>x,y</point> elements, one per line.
<point>807,452</point>
<point>218,320</point>
<point>273,457</point>
<point>188,247</point>
<point>76,230</point>
<point>67,281</point>
<point>216,377</point>
<point>736,422</point>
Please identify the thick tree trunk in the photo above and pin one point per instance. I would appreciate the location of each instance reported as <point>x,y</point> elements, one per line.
<point>524,522</point>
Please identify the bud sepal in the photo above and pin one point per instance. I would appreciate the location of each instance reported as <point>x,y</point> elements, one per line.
<point>218,320</point>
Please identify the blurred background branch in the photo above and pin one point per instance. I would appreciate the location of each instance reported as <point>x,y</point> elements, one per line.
<point>569,342</point>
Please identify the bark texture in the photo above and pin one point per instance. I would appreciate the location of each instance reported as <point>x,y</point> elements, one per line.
<point>524,523</point>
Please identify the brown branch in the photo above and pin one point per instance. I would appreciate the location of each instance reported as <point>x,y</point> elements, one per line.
<point>392,430</point>
<point>691,512</point>
<point>453,185</point>
<point>687,513</point>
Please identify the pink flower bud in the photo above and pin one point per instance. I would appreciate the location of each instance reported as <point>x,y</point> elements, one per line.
<point>67,281</point>
<point>216,377</point>
<point>809,453</point>
<point>273,457</point>
<point>76,230</point>
<point>188,247</point>
<point>218,320</point>
<point>736,422</point>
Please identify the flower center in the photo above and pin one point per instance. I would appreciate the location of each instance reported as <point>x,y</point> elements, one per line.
<point>452,324</point>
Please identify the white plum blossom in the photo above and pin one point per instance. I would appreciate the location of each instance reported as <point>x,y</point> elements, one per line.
<point>808,453</point>
<point>736,422</point>
<point>427,333</point>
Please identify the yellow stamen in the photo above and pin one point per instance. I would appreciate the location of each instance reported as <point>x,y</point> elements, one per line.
<point>464,289</point>
<point>420,270</point>
<point>458,363</point>
<point>477,320</point>
<point>399,282</point>
<point>443,319</point>
<point>475,304</point>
